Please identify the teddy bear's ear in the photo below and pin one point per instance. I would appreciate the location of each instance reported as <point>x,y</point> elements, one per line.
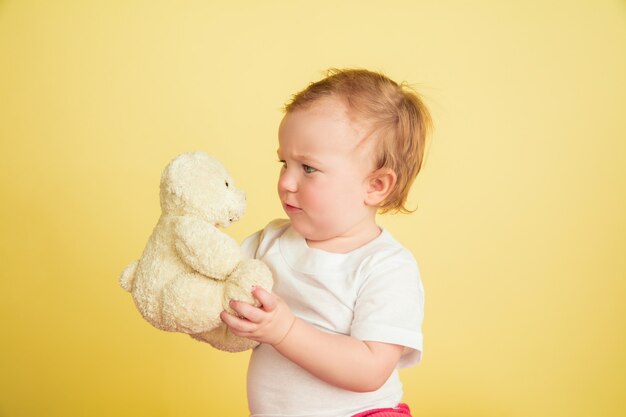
<point>172,185</point>
<point>171,170</point>
<point>170,194</point>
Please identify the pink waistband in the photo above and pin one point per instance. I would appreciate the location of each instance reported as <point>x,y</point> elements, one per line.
<point>402,410</point>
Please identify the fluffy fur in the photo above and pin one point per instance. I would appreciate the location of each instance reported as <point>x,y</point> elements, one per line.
<point>189,269</point>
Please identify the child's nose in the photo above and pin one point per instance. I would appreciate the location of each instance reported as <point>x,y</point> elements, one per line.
<point>287,182</point>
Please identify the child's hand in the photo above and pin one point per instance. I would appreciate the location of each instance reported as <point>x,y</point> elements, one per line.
<point>269,323</point>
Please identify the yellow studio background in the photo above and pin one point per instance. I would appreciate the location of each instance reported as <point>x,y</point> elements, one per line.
<point>520,232</point>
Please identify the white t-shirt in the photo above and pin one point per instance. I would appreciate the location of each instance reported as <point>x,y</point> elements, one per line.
<point>373,293</point>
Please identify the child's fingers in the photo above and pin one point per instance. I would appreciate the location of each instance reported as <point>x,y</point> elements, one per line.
<point>268,301</point>
<point>237,325</point>
<point>247,311</point>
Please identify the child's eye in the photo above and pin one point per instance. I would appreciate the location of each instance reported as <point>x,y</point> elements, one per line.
<point>283,162</point>
<point>308,169</point>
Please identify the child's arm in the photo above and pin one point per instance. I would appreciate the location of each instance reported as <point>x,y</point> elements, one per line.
<point>342,361</point>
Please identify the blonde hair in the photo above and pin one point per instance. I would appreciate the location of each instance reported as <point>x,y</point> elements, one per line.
<point>398,120</point>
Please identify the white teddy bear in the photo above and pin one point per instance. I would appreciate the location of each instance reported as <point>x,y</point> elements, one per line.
<point>190,270</point>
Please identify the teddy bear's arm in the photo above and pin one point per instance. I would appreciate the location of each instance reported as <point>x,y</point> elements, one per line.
<point>204,248</point>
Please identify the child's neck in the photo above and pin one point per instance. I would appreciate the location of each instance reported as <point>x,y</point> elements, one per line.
<point>348,242</point>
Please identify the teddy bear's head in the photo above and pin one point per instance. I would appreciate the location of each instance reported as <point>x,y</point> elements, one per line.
<point>198,185</point>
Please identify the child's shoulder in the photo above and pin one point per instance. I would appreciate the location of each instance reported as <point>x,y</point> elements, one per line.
<point>387,259</point>
<point>387,247</point>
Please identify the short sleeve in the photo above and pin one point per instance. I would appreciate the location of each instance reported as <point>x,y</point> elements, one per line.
<point>390,307</point>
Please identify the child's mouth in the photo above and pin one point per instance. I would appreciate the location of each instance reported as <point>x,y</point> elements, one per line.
<point>291,209</point>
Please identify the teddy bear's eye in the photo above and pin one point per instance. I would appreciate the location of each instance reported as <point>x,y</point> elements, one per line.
<point>226,182</point>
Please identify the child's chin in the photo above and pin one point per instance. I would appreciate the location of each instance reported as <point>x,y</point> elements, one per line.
<point>298,226</point>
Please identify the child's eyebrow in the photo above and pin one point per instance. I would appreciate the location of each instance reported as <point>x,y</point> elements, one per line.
<point>303,157</point>
<point>309,160</point>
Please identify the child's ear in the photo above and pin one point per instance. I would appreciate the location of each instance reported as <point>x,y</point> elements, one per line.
<point>379,185</point>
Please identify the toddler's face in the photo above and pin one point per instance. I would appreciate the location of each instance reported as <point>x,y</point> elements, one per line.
<point>323,181</point>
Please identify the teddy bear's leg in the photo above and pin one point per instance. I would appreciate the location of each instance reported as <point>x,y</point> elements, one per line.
<point>249,273</point>
<point>191,304</point>
<point>128,276</point>
<point>222,338</point>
